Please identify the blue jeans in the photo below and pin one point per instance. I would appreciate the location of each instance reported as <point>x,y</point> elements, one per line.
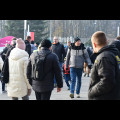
<point>67,79</point>
<point>60,63</point>
<point>75,73</point>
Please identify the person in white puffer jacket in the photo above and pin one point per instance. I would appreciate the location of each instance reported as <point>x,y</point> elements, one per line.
<point>18,85</point>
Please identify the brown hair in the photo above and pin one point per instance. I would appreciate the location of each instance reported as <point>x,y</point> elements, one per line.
<point>28,37</point>
<point>99,38</point>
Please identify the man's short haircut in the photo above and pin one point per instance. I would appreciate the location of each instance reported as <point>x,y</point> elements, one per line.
<point>28,37</point>
<point>99,38</point>
<point>118,38</point>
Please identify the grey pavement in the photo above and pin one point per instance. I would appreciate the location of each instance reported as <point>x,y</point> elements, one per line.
<point>63,95</point>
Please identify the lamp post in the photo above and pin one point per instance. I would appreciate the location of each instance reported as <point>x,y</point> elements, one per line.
<point>95,25</point>
<point>50,30</point>
<point>25,29</point>
<point>118,31</point>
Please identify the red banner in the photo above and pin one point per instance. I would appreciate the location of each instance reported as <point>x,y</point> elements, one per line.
<point>32,35</point>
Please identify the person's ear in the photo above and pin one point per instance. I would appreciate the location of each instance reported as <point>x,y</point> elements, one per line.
<point>95,45</point>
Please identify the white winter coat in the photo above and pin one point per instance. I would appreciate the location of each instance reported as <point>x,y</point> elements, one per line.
<point>1,63</point>
<point>18,83</point>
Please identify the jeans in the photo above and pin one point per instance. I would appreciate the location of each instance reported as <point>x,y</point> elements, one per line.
<point>43,95</point>
<point>75,73</point>
<point>3,86</point>
<point>67,79</point>
<point>23,98</point>
<point>60,63</point>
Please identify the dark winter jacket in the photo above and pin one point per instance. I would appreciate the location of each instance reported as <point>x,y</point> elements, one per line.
<point>76,56</point>
<point>116,43</point>
<point>3,53</point>
<point>104,84</point>
<point>9,50</point>
<point>59,50</point>
<point>28,47</point>
<point>90,52</point>
<point>51,68</point>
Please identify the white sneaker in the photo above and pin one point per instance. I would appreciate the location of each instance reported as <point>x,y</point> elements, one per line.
<point>78,95</point>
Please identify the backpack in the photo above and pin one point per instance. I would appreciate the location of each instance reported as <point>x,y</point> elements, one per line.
<point>38,69</point>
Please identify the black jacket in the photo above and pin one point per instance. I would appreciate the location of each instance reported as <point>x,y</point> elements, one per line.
<point>51,67</point>
<point>59,50</point>
<point>28,47</point>
<point>105,84</point>
<point>116,43</point>
<point>9,50</point>
<point>3,53</point>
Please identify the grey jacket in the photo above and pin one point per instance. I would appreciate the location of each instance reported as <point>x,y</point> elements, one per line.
<point>76,56</point>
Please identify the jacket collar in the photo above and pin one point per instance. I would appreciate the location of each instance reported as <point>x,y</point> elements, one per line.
<point>44,48</point>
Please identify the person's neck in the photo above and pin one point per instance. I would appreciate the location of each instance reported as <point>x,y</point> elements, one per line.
<point>100,47</point>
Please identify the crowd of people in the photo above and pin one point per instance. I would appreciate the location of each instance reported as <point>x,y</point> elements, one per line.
<point>25,65</point>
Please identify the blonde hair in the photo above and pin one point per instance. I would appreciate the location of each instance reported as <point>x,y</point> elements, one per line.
<point>39,47</point>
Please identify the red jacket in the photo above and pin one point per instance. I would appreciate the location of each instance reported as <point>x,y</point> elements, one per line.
<point>66,71</point>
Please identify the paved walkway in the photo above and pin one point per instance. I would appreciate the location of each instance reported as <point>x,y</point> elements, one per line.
<point>63,95</point>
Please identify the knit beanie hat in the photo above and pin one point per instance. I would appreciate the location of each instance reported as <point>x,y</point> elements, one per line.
<point>46,43</point>
<point>20,44</point>
<point>76,39</point>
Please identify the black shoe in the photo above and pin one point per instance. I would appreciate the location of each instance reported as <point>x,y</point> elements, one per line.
<point>68,88</point>
<point>84,74</point>
<point>87,75</point>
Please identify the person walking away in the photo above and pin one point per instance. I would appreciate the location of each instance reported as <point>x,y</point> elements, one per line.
<point>3,53</point>
<point>76,56</point>
<point>105,76</point>
<point>67,75</point>
<point>33,47</point>
<point>18,85</point>
<point>42,78</point>
<point>28,46</point>
<point>86,69</point>
<point>116,43</point>
<point>3,84</point>
<point>36,45</point>
<point>59,50</point>
<point>13,44</point>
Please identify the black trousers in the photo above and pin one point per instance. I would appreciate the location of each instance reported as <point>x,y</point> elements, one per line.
<point>43,95</point>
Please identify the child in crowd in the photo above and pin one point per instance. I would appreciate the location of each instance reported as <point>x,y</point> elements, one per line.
<point>66,75</point>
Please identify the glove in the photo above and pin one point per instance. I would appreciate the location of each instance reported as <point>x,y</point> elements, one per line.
<point>89,66</point>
